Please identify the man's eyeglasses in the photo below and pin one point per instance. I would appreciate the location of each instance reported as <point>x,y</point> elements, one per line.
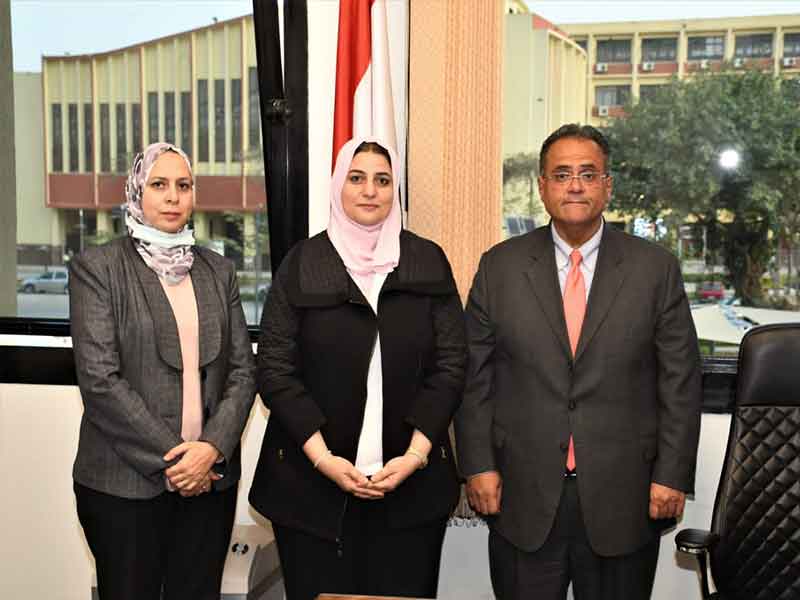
<point>587,178</point>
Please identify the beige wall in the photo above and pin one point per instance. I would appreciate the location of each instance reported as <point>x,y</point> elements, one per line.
<point>8,219</point>
<point>34,220</point>
<point>43,547</point>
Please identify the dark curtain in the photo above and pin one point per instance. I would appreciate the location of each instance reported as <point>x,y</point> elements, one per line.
<point>284,120</point>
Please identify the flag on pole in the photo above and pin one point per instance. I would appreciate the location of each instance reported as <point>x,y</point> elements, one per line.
<point>363,103</point>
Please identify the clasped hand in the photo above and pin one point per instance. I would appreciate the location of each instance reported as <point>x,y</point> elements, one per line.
<point>192,474</point>
<point>344,474</point>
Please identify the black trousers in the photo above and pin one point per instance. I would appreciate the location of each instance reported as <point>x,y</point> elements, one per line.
<point>567,556</point>
<point>164,544</point>
<point>369,559</point>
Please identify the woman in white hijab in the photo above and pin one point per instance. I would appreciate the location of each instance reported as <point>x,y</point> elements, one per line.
<point>165,369</point>
<point>361,363</point>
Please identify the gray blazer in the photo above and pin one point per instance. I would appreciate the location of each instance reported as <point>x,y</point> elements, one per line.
<point>129,367</point>
<point>630,398</point>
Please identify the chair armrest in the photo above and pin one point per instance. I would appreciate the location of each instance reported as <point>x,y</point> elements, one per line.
<point>695,541</point>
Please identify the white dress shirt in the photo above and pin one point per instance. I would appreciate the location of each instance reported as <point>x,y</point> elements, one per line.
<point>588,250</point>
<point>369,458</point>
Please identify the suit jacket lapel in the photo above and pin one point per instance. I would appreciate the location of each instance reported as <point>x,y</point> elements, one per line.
<point>211,311</point>
<point>609,274</point>
<point>543,277</point>
<point>164,324</point>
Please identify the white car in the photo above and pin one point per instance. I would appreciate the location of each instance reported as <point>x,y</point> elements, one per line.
<point>53,282</point>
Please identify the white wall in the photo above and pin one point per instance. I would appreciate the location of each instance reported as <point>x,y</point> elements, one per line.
<point>44,555</point>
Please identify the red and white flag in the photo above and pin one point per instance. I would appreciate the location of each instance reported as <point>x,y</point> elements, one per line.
<point>363,104</point>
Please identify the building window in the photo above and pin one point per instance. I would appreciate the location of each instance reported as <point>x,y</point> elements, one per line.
<point>236,119</point>
<point>254,110</point>
<point>58,164</point>
<point>754,46</point>
<point>660,50</point>
<point>648,92</point>
<point>152,117</point>
<point>136,126</point>
<point>186,123</point>
<point>88,137</point>
<point>614,51</point>
<point>122,139</point>
<point>612,95</point>
<point>202,120</point>
<point>72,132</point>
<point>105,138</point>
<point>791,44</point>
<point>219,120</point>
<point>709,47</point>
<point>169,117</point>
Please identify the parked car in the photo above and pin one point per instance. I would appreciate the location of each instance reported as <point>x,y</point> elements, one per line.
<point>263,290</point>
<point>711,290</point>
<point>52,282</point>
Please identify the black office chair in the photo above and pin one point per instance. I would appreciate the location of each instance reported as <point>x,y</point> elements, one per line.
<point>754,542</point>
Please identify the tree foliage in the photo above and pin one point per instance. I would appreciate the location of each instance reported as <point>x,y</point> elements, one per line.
<point>666,152</point>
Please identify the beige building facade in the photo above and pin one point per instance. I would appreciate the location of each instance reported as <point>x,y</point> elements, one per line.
<point>628,60</point>
<point>83,118</point>
<point>544,87</point>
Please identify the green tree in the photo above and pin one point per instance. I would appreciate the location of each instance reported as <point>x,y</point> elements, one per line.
<point>519,185</point>
<point>666,160</point>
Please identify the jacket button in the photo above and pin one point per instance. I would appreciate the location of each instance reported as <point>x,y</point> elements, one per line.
<point>280,453</point>
<point>571,404</point>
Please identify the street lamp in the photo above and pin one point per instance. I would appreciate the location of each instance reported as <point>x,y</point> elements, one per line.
<point>729,159</point>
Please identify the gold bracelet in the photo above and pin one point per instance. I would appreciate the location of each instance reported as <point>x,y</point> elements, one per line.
<point>325,455</point>
<point>423,460</point>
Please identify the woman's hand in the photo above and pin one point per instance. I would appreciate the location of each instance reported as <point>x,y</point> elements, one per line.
<point>191,472</point>
<point>395,472</point>
<point>203,487</point>
<point>352,481</point>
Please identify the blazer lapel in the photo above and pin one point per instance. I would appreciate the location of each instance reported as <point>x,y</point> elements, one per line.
<point>211,310</point>
<point>166,329</point>
<point>606,283</point>
<point>543,278</point>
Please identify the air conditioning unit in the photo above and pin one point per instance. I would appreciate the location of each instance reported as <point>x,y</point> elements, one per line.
<point>601,68</point>
<point>602,111</point>
<point>738,63</point>
<point>705,65</point>
<point>789,61</point>
<point>648,66</point>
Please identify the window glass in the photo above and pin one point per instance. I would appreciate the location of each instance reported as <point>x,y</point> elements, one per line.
<point>791,44</point>
<point>659,50</point>
<point>169,117</point>
<point>706,47</point>
<point>705,161</point>
<point>614,51</point>
<point>89,96</point>
<point>754,46</point>
<point>648,92</point>
<point>612,95</point>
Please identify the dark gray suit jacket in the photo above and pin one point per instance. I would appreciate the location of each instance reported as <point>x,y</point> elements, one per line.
<point>129,367</point>
<point>630,398</point>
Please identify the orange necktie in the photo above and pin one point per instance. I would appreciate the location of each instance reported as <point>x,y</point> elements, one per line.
<point>574,311</point>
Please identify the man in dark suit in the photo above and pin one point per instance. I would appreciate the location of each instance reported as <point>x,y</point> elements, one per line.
<point>579,427</point>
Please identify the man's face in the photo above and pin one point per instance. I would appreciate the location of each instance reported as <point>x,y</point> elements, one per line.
<point>576,204</point>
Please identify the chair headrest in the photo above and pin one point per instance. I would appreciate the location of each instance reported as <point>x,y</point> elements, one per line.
<point>769,366</point>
